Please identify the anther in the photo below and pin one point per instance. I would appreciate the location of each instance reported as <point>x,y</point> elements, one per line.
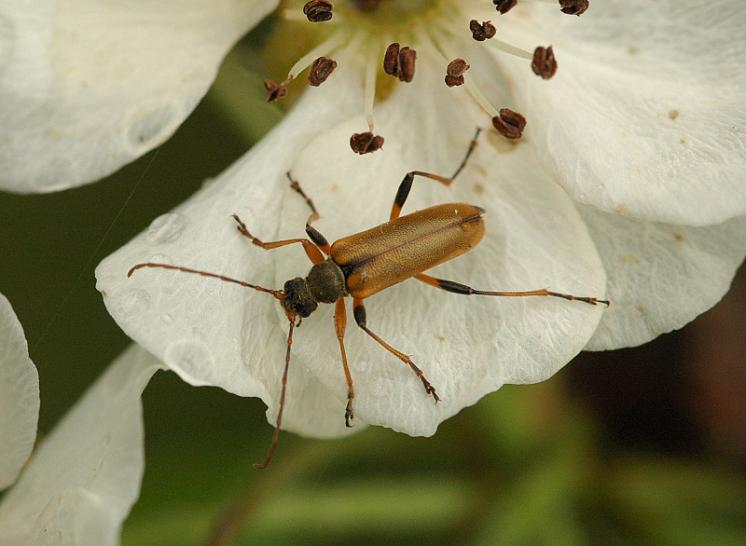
<point>365,143</point>
<point>391,60</point>
<point>320,70</point>
<point>544,63</point>
<point>276,90</point>
<point>400,62</point>
<point>509,124</point>
<point>504,6</point>
<point>455,72</point>
<point>318,11</point>
<point>483,31</point>
<point>574,7</point>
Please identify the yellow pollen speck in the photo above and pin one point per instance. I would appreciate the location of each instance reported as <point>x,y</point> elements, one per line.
<point>682,140</point>
<point>673,114</point>
<point>632,50</point>
<point>334,187</point>
<point>639,308</point>
<point>678,236</point>
<point>620,209</point>
<point>630,258</point>
<point>478,188</point>
<point>440,338</point>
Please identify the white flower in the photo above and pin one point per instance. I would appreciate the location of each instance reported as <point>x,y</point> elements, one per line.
<point>628,181</point>
<point>82,481</point>
<point>19,396</point>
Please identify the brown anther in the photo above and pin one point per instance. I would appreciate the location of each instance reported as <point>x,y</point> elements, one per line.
<point>455,72</point>
<point>365,143</point>
<point>509,124</point>
<point>400,62</point>
<point>544,63</point>
<point>391,60</point>
<point>318,11</point>
<point>275,90</point>
<point>320,70</point>
<point>504,6</point>
<point>407,58</point>
<point>483,31</point>
<point>574,7</point>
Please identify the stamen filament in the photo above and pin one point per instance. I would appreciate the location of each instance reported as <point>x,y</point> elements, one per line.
<point>471,87</point>
<point>371,73</point>
<point>505,47</point>
<point>323,49</point>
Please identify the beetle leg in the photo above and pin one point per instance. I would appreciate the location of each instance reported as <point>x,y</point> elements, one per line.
<point>314,234</point>
<point>360,317</point>
<point>278,423</point>
<point>458,288</point>
<point>406,184</point>
<point>340,323</point>
<point>314,254</point>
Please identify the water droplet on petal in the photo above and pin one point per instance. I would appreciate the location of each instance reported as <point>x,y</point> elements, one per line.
<point>192,358</point>
<point>131,302</point>
<point>166,228</point>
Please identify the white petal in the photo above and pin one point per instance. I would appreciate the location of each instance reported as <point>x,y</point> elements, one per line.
<point>197,326</point>
<point>19,396</point>
<point>83,480</point>
<point>86,86</point>
<point>467,346</point>
<point>660,276</point>
<point>647,113</point>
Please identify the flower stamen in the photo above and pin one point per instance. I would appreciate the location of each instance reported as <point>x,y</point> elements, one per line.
<point>482,31</point>
<point>320,70</point>
<point>400,62</point>
<point>455,72</point>
<point>365,143</point>
<point>509,124</point>
<point>313,59</point>
<point>544,63</point>
<point>504,6</point>
<point>318,11</point>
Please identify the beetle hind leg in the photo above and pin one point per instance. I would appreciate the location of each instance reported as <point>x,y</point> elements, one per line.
<point>361,320</point>
<point>458,288</point>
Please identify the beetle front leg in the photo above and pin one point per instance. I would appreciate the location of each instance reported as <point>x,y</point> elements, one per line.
<point>313,253</point>
<point>314,234</point>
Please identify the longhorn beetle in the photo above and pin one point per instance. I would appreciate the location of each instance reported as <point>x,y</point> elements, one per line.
<point>365,263</point>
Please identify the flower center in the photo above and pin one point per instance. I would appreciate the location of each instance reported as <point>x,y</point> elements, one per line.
<point>389,32</point>
<point>379,16</point>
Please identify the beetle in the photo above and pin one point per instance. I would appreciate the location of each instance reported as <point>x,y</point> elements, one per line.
<point>365,263</point>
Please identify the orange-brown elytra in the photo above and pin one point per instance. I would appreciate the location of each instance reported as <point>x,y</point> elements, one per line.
<point>367,262</point>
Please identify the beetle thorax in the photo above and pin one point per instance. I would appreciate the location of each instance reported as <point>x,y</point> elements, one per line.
<point>326,282</point>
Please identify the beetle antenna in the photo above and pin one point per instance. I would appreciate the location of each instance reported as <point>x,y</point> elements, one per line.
<point>276,293</point>
<point>278,423</point>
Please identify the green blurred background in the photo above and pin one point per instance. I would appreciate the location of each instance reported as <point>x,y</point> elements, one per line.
<point>640,446</point>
